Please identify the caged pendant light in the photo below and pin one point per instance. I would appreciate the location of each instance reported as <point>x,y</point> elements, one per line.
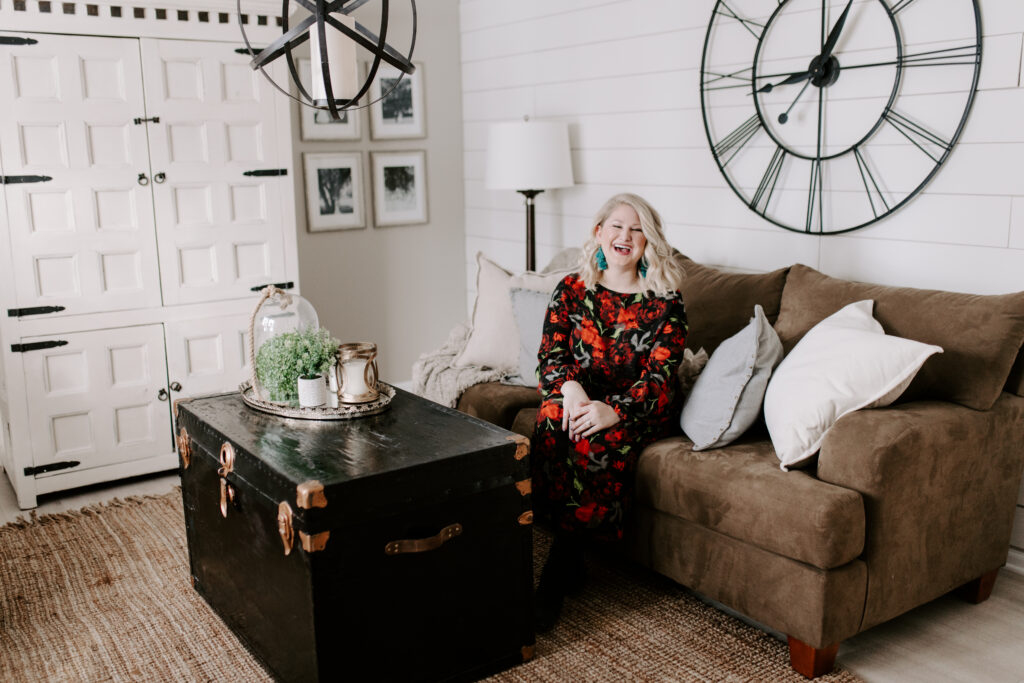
<point>334,34</point>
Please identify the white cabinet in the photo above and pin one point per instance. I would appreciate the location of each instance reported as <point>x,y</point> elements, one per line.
<point>146,193</point>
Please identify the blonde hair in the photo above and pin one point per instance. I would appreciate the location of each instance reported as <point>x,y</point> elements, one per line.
<point>664,274</point>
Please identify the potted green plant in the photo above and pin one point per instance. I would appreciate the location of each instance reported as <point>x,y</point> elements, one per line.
<point>291,365</point>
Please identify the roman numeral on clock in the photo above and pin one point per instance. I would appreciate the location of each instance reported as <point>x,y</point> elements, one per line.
<point>870,184</point>
<point>747,23</point>
<point>771,176</point>
<point>734,141</point>
<point>814,197</point>
<point>924,139</point>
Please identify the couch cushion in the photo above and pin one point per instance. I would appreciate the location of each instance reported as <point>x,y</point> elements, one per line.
<point>739,491</point>
<point>980,335</point>
<point>718,304</point>
<point>497,403</point>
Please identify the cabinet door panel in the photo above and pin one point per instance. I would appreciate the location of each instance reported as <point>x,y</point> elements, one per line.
<point>95,399</point>
<point>208,356</point>
<point>85,239</point>
<point>220,232</point>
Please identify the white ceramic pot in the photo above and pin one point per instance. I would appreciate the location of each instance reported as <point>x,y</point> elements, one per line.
<point>312,392</point>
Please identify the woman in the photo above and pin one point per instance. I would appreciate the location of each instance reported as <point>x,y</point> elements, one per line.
<point>613,337</point>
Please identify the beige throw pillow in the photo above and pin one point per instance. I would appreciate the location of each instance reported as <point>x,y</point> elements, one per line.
<point>494,340</point>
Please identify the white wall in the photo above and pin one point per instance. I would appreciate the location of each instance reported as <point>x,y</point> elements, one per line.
<point>399,286</point>
<point>625,75</point>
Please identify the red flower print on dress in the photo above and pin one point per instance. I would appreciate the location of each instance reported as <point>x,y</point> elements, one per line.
<point>585,512</point>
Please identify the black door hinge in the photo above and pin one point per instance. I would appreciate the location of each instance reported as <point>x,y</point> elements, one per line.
<point>279,285</point>
<point>14,40</point>
<point>17,179</point>
<point>139,121</point>
<point>51,467</point>
<point>268,172</point>
<point>35,346</point>
<point>37,310</point>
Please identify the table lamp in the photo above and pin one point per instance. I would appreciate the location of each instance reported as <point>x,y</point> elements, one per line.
<point>528,157</point>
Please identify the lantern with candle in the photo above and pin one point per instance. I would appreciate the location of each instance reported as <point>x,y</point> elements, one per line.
<point>335,34</point>
<point>357,372</point>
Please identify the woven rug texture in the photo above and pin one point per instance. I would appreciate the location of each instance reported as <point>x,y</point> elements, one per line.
<point>103,594</point>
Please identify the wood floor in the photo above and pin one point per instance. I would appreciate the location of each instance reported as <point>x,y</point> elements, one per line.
<point>945,640</point>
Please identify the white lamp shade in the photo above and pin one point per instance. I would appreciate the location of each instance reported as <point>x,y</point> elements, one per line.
<point>341,60</point>
<point>528,155</point>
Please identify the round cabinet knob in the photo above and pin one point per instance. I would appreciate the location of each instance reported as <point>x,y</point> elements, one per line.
<point>143,180</point>
<point>162,394</point>
<point>159,178</point>
<point>175,386</point>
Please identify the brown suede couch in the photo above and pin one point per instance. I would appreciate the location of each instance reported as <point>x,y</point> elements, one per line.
<point>903,504</point>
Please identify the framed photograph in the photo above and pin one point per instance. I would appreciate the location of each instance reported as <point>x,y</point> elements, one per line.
<point>401,113</point>
<point>318,125</point>
<point>334,191</point>
<point>399,187</point>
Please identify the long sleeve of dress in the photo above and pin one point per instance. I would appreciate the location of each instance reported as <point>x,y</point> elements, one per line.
<point>556,362</point>
<point>653,391</point>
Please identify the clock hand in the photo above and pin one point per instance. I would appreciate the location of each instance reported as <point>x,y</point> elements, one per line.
<point>793,78</point>
<point>833,36</point>
<point>784,116</point>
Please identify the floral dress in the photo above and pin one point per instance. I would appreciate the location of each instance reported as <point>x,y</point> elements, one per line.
<point>624,350</point>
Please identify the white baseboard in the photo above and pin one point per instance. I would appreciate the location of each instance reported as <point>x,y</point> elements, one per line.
<point>1015,562</point>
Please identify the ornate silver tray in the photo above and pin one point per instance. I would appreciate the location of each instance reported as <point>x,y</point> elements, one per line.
<point>345,411</point>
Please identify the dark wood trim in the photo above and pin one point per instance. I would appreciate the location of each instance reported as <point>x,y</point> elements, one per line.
<point>980,589</point>
<point>809,661</point>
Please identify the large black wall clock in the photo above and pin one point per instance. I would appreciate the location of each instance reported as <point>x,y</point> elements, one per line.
<point>825,116</point>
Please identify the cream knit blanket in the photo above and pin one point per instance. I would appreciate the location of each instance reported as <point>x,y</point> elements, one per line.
<point>436,377</point>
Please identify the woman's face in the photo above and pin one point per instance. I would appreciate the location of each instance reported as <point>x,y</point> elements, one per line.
<point>621,238</point>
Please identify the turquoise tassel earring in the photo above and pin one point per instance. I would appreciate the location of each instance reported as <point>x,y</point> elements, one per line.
<point>643,267</point>
<point>602,262</point>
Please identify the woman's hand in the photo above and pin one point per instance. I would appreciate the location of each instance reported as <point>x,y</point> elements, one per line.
<point>573,398</point>
<point>592,417</point>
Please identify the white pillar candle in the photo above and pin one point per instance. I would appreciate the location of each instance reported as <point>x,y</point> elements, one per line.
<point>353,377</point>
<point>332,387</point>
<point>341,58</point>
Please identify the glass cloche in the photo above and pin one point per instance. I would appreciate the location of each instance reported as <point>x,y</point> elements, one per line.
<point>278,313</point>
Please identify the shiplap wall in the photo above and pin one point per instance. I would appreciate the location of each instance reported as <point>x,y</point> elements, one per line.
<point>625,75</point>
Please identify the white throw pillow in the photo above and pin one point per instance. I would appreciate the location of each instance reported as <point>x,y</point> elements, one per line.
<point>529,308</point>
<point>494,340</point>
<point>844,363</point>
<point>726,398</point>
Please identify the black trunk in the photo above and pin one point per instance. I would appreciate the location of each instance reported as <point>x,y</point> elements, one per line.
<point>347,602</point>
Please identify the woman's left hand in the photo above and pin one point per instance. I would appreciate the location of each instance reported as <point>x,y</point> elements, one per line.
<point>593,416</point>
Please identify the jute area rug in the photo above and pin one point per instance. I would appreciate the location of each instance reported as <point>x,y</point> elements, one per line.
<point>103,594</point>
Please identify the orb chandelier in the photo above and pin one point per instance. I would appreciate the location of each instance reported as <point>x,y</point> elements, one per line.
<point>334,35</point>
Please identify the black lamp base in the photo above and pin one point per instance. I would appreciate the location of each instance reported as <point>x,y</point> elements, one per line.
<point>531,246</point>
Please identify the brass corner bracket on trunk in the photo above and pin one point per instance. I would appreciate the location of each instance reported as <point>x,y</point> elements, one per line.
<point>315,542</point>
<point>184,448</point>
<point>525,487</point>
<point>310,494</point>
<point>526,517</point>
<point>284,526</point>
<point>522,445</point>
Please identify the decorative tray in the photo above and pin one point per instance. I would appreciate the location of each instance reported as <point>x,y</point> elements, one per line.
<point>345,411</point>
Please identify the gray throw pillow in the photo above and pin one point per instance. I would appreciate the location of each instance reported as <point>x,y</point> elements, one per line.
<point>727,396</point>
<point>529,307</point>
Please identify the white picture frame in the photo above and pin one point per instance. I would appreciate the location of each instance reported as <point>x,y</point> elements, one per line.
<point>316,124</point>
<point>334,191</point>
<point>399,187</point>
<point>401,113</point>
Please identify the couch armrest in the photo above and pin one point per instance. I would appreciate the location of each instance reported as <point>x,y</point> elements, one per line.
<point>940,485</point>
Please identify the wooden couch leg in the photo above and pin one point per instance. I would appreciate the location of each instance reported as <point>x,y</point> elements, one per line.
<point>809,661</point>
<point>979,589</point>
